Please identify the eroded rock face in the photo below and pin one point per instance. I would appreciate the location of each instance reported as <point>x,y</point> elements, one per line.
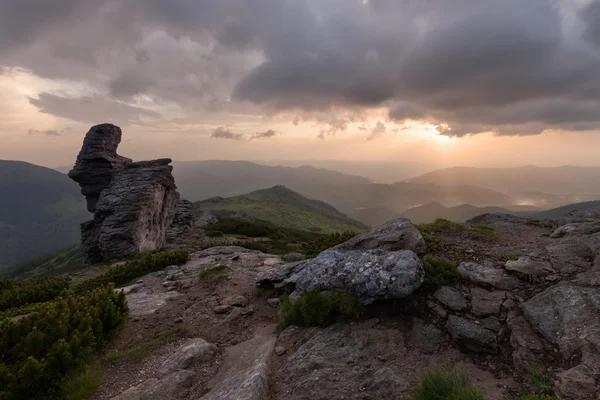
<point>134,203</point>
<point>98,162</point>
<point>371,274</point>
<point>397,234</point>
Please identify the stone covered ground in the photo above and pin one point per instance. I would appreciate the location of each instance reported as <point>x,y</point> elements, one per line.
<point>529,294</point>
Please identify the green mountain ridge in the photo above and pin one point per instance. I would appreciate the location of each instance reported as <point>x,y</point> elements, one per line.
<point>40,211</point>
<point>286,208</point>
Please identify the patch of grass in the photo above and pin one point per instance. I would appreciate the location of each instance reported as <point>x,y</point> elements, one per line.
<point>439,271</point>
<point>236,236</point>
<point>137,351</point>
<point>319,309</point>
<point>510,257</point>
<point>445,385</point>
<point>482,231</point>
<point>212,273</point>
<point>441,225</point>
<point>83,385</point>
<point>536,382</point>
<point>314,247</point>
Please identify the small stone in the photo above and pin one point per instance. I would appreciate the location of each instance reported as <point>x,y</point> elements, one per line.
<point>280,350</point>
<point>238,301</point>
<point>274,302</point>
<point>451,298</point>
<point>224,309</point>
<point>140,281</point>
<point>179,320</point>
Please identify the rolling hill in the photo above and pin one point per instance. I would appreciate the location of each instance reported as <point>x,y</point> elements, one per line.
<point>586,209</point>
<point>40,211</point>
<point>429,212</point>
<point>286,208</point>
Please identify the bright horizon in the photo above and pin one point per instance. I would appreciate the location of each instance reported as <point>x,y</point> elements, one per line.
<point>476,84</point>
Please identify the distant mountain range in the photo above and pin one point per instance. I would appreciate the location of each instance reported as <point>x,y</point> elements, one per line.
<point>200,180</point>
<point>567,184</point>
<point>286,208</point>
<point>40,211</point>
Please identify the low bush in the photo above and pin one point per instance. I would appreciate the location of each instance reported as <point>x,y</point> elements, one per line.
<point>40,350</point>
<point>314,247</point>
<point>135,268</point>
<point>319,309</point>
<point>439,271</point>
<point>445,385</point>
<point>20,294</point>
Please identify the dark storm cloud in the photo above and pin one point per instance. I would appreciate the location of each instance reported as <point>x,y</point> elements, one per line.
<point>90,109</point>
<point>225,133</point>
<point>270,133</point>
<point>511,66</point>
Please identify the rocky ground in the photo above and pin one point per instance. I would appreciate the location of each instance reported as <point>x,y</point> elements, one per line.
<point>529,294</point>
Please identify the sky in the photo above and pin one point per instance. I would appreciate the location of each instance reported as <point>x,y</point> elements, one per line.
<point>444,82</point>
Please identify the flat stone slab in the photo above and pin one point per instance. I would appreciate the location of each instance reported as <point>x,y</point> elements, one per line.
<point>244,374</point>
<point>145,303</point>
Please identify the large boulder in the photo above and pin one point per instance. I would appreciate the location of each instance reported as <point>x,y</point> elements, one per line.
<point>134,203</point>
<point>397,234</point>
<point>370,274</point>
<point>98,162</point>
<point>575,228</point>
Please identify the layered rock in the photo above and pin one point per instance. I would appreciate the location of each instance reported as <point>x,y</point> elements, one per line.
<point>134,203</point>
<point>377,265</point>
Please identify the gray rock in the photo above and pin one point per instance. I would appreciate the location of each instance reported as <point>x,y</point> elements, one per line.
<point>428,338</point>
<point>385,384</point>
<point>530,265</point>
<point>397,234</point>
<point>484,302</point>
<point>492,323</point>
<point>171,386</point>
<point>280,350</point>
<point>133,203</point>
<point>564,314</point>
<point>192,351</point>
<point>98,161</point>
<point>480,275</point>
<point>244,374</point>
<point>274,302</point>
<point>183,220</point>
<point>583,228</point>
<point>370,274</point>
<point>451,298</point>
<point>223,309</point>
<point>291,257</point>
<point>577,383</point>
<point>471,336</point>
<point>238,301</point>
<point>522,335</point>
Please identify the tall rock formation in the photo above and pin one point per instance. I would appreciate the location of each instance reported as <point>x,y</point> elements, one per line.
<point>134,203</point>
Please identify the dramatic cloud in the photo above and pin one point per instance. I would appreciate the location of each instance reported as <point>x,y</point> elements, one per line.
<point>512,67</point>
<point>264,135</point>
<point>224,133</point>
<point>377,131</point>
<point>49,132</point>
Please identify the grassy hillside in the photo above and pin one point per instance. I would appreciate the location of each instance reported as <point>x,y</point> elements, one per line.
<point>40,211</point>
<point>285,208</point>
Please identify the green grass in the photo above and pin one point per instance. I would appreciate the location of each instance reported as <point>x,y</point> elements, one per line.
<point>439,271</point>
<point>445,385</point>
<point>213,273</point>
<point>482,232</point>
<point>441,225</point>
<point>285,208</point>
<point>319,309</point>
<point>537,382</point>
<point>314,247</point>
<point>83,385</point>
